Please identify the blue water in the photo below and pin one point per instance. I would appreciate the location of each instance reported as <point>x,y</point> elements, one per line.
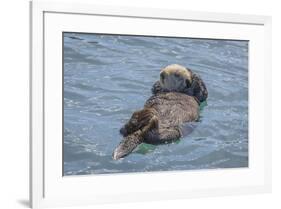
<point>108,77</point>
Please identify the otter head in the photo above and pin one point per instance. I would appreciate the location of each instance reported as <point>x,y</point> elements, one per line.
<point>175,78</point>
<point>180,79</point>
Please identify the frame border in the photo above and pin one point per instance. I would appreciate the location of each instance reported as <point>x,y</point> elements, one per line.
<point>36,84</point>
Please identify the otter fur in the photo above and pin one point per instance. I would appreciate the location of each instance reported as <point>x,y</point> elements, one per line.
<point>175,101</point>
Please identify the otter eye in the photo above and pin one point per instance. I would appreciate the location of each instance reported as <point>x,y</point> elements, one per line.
<point>162,75</point>
<point>188,84</point>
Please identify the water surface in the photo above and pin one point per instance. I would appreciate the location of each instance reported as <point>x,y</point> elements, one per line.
<point>108,77</point>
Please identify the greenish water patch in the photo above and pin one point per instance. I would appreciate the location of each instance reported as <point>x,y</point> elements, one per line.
<point>203,104</point>
<point>145,148</point>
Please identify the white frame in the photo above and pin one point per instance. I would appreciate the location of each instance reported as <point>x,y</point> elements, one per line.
<point>39,99</point>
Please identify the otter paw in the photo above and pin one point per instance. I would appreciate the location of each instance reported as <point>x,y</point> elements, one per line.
<point>153,123</point>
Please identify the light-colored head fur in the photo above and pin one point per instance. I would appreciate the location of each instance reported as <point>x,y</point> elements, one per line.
<point>175,77</point>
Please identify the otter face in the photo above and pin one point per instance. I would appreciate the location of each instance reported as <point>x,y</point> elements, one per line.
<point>175,78</point>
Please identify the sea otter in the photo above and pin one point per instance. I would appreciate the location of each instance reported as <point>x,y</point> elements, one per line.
<point>175,102</point>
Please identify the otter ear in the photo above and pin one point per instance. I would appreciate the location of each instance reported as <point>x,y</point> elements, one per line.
<point>198,88</point>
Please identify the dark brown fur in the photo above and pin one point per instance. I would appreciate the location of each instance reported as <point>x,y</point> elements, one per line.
<point>161,119</point>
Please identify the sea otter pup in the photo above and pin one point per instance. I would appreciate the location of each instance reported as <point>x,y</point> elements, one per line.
<point>175,101</point>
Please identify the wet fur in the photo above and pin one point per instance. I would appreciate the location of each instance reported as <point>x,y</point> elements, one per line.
<point>164,113</point>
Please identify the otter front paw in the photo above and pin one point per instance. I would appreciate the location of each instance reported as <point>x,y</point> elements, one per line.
<point>152,124</point>
<point>138,120</point>
<point>156,88</point>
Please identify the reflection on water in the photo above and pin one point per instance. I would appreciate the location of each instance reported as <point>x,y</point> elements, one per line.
<point>107,78</point>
